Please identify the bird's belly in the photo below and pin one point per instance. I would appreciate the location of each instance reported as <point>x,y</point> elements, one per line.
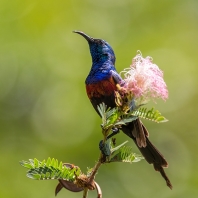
<point>101,88</point>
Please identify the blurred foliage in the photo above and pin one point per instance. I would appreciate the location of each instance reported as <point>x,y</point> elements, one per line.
<point>50,169</point>
<point>44,107</point>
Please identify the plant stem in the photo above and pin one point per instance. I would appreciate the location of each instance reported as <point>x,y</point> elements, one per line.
<point>99,163</point>
<point>85,192</point>
<point>95,170</point>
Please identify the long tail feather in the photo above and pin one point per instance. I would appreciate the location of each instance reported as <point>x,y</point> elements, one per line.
<point>137,131</point>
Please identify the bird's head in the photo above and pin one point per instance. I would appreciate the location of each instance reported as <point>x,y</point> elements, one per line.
<point>100,50</point>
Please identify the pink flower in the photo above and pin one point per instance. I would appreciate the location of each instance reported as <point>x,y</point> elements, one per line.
<point>145,80</point>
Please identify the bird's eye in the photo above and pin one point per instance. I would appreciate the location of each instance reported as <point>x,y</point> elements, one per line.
<point>98,41</point>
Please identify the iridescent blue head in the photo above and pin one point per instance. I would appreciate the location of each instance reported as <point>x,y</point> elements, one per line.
<point>100,50</point>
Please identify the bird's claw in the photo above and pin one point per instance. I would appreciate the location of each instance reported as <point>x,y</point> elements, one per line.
<point>105,148</point>
<point>114,132</point>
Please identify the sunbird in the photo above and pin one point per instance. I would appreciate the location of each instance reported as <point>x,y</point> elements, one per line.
<point>101,84</point>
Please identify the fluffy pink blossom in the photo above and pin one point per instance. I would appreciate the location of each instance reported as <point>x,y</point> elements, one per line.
<point>145,80</point>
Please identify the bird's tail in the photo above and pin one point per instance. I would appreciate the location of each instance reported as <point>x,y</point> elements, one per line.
<point>137,131</point>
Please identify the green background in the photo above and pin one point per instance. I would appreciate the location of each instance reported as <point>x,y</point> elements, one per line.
<point>44,110</point>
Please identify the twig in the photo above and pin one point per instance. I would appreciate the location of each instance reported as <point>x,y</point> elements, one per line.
<point>85,192</point>
<point>95,170</point>
<point>99,163</point>
<point>99,191</point>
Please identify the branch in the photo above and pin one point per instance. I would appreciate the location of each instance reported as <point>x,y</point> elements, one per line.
<point>70,176</point>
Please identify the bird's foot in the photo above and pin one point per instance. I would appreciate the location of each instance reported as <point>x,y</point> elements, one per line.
<point>105,146</point>
<point>114,132</point>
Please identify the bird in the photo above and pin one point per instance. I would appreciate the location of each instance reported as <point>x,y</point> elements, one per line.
<point>101,84</point>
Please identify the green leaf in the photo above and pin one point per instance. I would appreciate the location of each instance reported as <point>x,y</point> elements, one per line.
<point>126,120</point>
<point>34,176</point>
<point>102,110</point>
<point>50,170</point>
<point>53,174</point>
<point>26,164</point>
<point>118,147</point>
<point>112,119</point>
<point>89,171</point>
<point>60,165</point>
<point>109,112</point>
<point>36,163</point>
<point>31,162</point>
<point>153,115</point>
<point>109,116</point>
<point>125,154</point>
<point>47,175</point>
<point>42,163</point>
<point>53,162</point>
<point>48,161</point>
<point>77,171</point>
<point>56,164</point>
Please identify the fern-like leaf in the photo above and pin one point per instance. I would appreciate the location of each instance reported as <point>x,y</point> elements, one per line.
<point>102,110</point>
<point>125,120</point>
<point>125,154</point>
<point>112,115</point>
<point>50,169</point>
<point>152,114</point>
<point>109,116</point>
<point>117,147</point>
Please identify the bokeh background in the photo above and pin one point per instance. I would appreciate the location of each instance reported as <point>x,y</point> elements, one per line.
<point>44,110</point>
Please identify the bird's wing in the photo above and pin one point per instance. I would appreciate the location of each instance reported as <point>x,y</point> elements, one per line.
<point>117,78</point>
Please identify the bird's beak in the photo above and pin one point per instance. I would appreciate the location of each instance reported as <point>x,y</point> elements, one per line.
<point>88,38</point>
